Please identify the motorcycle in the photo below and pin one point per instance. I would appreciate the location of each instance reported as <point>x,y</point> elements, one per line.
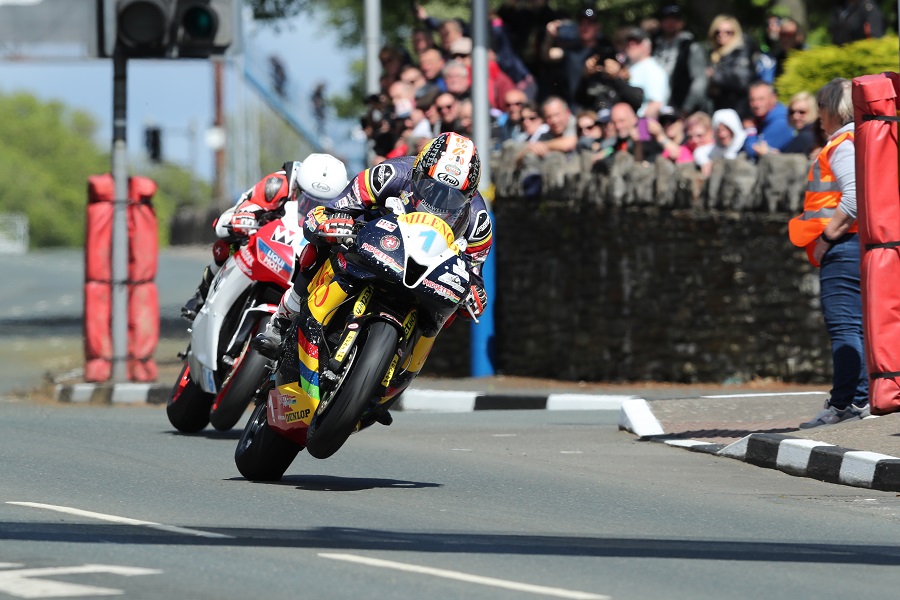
<point>221,371</point>
<point>372,315</point>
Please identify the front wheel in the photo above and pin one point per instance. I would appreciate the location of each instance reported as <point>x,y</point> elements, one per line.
<point>247,374</point>
<point>331,427</point>
<point>262,454</point>
<point>188,405</point>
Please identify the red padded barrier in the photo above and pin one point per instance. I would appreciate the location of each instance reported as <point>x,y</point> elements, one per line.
<point>143,302</point>
<point>878,202</point>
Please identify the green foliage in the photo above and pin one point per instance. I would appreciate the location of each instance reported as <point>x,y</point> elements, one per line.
<point>809,70</point>
<point>47,153</point>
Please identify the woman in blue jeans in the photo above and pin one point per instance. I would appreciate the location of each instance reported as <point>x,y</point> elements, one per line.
<point>827,229</point>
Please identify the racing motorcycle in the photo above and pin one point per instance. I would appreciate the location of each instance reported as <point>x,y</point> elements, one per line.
<point>373,312</point>
<point>221,371</point>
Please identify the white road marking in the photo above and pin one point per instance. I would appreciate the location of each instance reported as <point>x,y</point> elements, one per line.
<point>571,452</point>
<point>766,395</point>
<point>459,576</point>
<point>25,583</point>
<point>122,520</point>
<point>505,434</point>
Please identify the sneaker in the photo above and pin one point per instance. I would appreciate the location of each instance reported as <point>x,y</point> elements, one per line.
<point>268,342</point>
<point>831,415</point>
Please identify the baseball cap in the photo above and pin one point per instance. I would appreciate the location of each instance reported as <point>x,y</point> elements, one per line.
<point>637,34</point>
<point>588,13</point>
<point>603,116</point>
<point>426,95</point>
<point>670,10</point>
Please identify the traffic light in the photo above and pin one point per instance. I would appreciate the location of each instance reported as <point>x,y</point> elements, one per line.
<point>153,143</point>
<point>173,28</point>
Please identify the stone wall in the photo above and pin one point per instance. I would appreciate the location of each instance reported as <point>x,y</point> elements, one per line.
<point>649,272</point>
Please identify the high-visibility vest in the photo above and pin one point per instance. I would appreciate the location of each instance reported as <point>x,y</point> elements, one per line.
<point>823,193</point>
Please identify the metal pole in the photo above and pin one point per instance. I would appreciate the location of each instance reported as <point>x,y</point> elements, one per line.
<point>482,338</point>
<point>219,194</point>
<point>119,250</point>
<point>372,17</point>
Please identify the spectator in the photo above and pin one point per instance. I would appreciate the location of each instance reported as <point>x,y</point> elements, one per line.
<point>498,82</point>
<point>832,245</point>
<point>700,141</point>
<point>510,122</point>
<point>562,132</point>
<point>399,91</point>
<point>668,131</point>
<point>412,76</point>
<point>533,126</point>
<point>431,62</point>
<point>429,126</point>
<point>507,59</point>
<point>392,61</point>
<point>684,60</point>
<point>790,38</point>
<point>567,46</point>
<point>803,118</point>
<point>456,78</point>
<point>422,40</point>
<point>590,131</point>
<point>853,20</point>
<point>729,135</point>
<point>770,124</point>
<point>646,73</point>
<point>604,83</point>
<point>631,137</point>
<point>449,31</point>
<point>732,69</point>
<point>465,117</point>
<point>448,111</point>
<point>526,26</point>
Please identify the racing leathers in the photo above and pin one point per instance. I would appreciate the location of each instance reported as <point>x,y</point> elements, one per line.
<point>365,197</point>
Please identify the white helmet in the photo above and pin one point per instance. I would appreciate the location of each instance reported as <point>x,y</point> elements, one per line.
<point>321,176</point>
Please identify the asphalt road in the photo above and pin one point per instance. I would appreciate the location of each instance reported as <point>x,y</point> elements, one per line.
<point>485,504</point>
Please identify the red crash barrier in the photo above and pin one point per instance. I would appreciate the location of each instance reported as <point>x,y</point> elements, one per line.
<point>143,302</point>
<point>875,100</point>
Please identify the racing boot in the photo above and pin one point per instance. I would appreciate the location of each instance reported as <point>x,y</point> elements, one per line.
<point>268,341</point>
<point>195,303</point>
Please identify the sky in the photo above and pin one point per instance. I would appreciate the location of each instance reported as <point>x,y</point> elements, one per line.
<point>178,94</point>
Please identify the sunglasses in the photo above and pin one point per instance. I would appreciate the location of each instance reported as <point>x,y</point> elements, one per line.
<point>587,127</point>
<point>798,111</point>
<point>459,55</point>
<point>725,32</point>
<point>443,107</point>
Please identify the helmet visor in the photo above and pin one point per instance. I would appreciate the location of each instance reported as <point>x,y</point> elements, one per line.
<point>306,203</point>
<point>438,198</point>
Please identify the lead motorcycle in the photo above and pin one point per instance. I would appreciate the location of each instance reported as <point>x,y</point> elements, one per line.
<point>221,371</point>
<point>373,312</point>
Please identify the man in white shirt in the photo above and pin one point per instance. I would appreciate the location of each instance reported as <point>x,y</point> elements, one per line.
<point>646,73</point>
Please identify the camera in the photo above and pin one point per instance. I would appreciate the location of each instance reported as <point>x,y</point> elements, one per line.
<point>567,33</point>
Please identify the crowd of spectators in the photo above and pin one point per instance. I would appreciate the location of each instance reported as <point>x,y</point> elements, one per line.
<point>560,82</point>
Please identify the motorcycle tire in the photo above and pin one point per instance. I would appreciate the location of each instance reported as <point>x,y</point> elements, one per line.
<point>330,429</point>
<point>188,405</point>
<point>262,454</point>
<point>247,374</point>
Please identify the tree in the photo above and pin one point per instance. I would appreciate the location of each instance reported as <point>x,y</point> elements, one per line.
<point>46,155</point>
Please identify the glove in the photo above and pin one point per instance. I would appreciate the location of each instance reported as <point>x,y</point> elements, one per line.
<point>475,302</point>
<point>336,226</point>
<point>244,223</point>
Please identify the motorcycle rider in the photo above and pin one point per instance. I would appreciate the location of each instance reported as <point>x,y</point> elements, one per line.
<point>448,165</point>
<point>318,179</point>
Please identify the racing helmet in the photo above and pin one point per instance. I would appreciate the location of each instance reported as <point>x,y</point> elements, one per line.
<point>322,176</point>
<point>445,179</point>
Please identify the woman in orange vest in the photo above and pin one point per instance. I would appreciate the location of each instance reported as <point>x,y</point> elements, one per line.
<point>827,229</point>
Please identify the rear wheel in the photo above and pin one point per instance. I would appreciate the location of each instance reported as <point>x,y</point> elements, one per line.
<point>188,405</point>
<point>262,454</point>
<point>247,374</point>
<point>331,427</point>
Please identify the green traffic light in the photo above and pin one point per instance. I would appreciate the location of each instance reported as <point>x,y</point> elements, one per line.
<point>199,22</point>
